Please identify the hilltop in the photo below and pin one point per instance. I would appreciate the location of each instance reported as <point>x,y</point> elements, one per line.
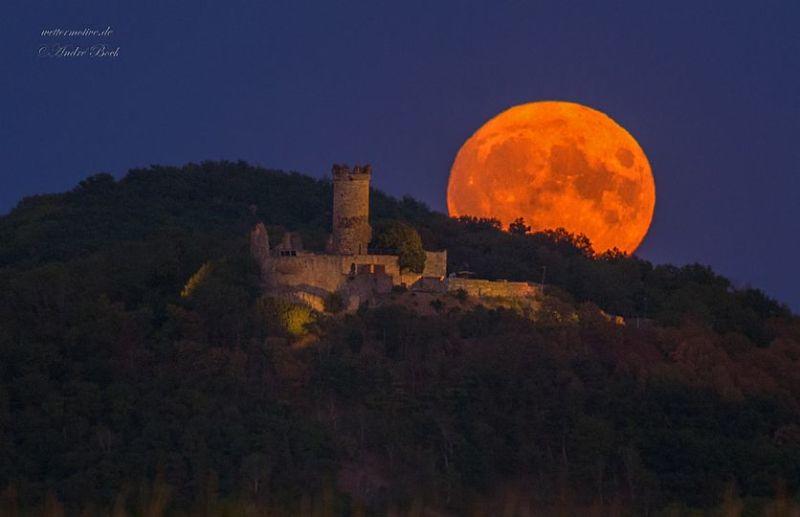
<point>117,388</point>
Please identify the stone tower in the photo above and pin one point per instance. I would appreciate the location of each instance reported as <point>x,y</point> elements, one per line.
<point>351,230</point>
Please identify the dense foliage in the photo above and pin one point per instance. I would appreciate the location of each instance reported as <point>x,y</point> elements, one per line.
<point>136,345</point>
<point>402,239</point>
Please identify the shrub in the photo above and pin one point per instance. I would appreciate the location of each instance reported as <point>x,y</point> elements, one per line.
<point>405,239</point>
<point>284,318</point>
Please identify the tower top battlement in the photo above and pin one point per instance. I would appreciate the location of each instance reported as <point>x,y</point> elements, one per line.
<point>340,170</point>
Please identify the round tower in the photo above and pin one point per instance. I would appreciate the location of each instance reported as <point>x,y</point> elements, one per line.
<point>351,230</point>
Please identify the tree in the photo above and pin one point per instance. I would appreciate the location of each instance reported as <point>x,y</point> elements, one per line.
<point>518,227</point>
<point>565,242</point>
<point>403,238</point>
<point>283,318</point>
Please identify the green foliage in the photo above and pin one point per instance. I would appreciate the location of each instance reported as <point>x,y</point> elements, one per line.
<point>283,318</point>
<point>110,378</point>
<point>399,236</point>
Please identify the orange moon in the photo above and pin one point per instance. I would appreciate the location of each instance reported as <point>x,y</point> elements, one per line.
<point>556,164</point>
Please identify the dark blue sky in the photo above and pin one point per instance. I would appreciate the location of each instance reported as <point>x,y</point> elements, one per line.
<point>711,90</point>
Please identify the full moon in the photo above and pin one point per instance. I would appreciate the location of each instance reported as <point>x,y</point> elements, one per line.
<point>557,165</point>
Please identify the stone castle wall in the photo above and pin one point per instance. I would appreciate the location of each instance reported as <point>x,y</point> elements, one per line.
<point>311,278</point>
<point>328,272</point>
<point>259,244</point>
<point>435,264</point>
<point>432,276</point>
<point>493,288</point>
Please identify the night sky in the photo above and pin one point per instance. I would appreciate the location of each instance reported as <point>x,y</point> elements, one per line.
<point>711,90</point>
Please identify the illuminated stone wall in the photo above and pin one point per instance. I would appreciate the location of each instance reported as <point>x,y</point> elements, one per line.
<point>435,264</point>
<point>432,277</point>
<point>311,278</point>
<point>493,288</point>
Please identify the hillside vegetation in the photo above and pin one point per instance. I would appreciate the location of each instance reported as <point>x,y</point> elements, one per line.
<point>141,367</point>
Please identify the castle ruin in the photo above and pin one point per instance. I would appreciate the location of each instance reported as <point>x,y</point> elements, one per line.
<point>347,267</point>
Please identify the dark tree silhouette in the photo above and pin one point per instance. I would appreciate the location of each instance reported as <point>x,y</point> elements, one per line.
<point>518,227</point>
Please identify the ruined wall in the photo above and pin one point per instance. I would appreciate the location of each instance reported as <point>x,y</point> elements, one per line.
<point>316,273</point>
<point>351,229</point>
<point>259,245</point>
<point>432,276</point>
<point>311,278</point>
<point>493,288</point>
<point>435,264</point>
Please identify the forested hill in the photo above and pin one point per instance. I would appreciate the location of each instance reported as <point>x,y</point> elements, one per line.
<point>116,389</point>
<point>216,203</point>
